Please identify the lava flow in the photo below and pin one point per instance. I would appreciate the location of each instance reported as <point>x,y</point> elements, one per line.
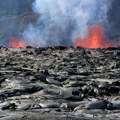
<point>14,43</point>
<point>94,39</point>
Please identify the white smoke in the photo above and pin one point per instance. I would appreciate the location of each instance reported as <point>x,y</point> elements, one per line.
<point>62,22</point>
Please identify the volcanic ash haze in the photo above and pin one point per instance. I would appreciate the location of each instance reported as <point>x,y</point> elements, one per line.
<point>62,22</point>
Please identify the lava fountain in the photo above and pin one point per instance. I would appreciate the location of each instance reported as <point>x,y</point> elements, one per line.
<point>14,43</point>
<point>94,39</point>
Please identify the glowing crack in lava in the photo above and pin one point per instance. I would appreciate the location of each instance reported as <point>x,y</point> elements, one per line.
<point>14,43</point>
<point>94,39</point>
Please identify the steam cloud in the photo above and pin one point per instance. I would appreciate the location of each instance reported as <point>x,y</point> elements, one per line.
<point>62,22</point>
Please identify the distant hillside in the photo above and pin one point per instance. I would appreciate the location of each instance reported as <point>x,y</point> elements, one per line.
<point>114,20</point>
<point>15,7</point>
<point>15,15</point>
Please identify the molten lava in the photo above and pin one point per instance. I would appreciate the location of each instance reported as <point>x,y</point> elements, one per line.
<point>94,39</point>
<point>14,43</point>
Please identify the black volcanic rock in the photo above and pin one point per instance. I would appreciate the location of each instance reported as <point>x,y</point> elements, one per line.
<point>68,81</point>
<point>9,106</point>
<point>98,105</point>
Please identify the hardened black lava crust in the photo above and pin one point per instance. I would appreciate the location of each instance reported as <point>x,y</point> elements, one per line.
<point>59,83</point>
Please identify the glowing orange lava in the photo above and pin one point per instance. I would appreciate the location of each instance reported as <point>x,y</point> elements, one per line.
<point>14,43</point>
<point>94,39</point>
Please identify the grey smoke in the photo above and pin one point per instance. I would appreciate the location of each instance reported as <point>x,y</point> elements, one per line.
<point>62,22</point>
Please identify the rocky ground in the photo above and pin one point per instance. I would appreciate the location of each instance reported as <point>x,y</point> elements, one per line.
<point>59,83</point>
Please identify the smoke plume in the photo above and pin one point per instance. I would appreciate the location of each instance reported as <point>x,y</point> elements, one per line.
<point>62,22</point>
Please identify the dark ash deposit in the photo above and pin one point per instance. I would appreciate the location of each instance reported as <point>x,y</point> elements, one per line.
<point>59,83</point>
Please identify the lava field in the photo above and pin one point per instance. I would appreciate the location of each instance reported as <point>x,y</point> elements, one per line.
<point>66,83</point>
